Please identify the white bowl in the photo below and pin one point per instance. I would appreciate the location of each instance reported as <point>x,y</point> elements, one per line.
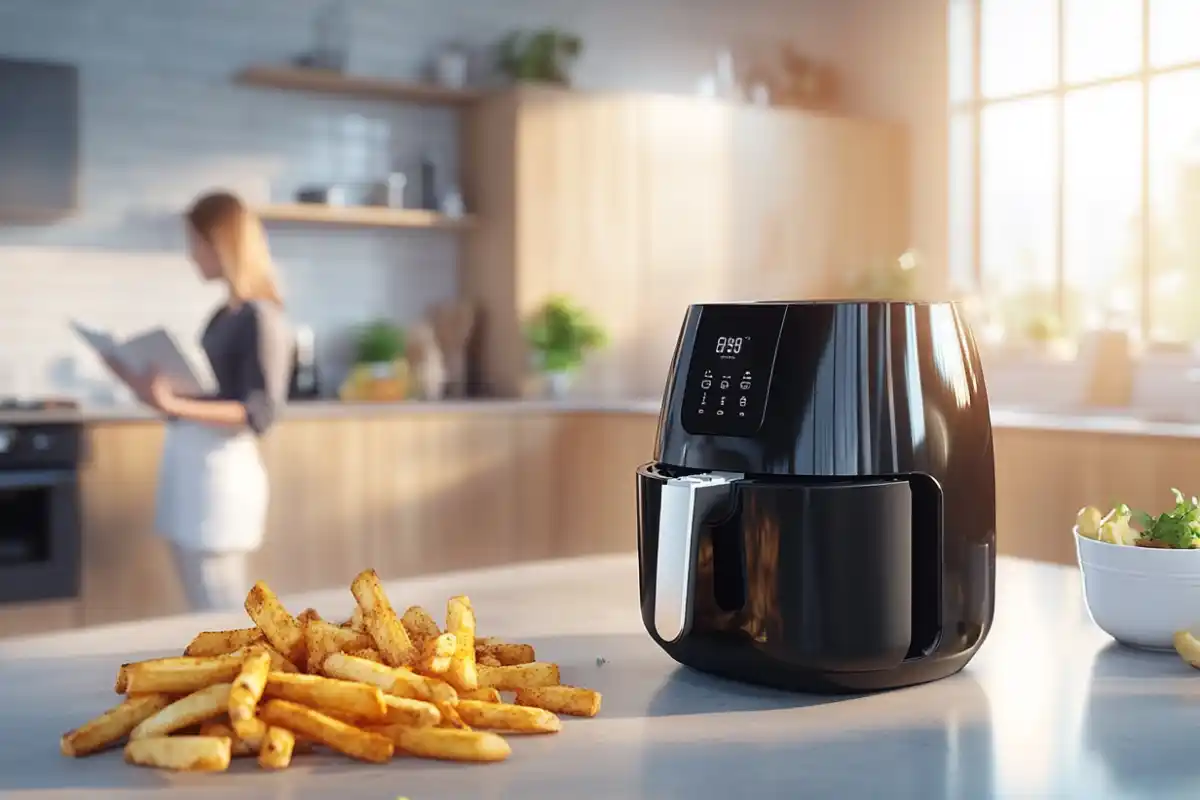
<point>1140,596</point>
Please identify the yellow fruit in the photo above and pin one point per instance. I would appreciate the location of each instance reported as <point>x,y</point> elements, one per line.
<point>1089,521</point>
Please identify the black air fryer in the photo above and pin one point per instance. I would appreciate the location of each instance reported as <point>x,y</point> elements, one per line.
<point>821,514</point>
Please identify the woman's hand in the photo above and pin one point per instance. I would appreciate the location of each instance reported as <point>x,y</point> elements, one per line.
<point>154,390</point>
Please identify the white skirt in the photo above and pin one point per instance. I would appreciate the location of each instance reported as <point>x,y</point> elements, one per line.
<point>212,489</point>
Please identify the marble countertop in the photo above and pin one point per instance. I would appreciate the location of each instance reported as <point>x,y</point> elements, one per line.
<point>1049,708</point>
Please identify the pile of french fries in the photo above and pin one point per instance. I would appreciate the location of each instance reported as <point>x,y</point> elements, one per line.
<point>369,687</point>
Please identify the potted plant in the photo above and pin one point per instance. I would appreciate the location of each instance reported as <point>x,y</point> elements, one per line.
<point>543,56</point>
<point>380,370</point>
<point>560,335</point>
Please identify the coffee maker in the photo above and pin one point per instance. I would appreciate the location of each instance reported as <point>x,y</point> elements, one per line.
<point>820,513</point>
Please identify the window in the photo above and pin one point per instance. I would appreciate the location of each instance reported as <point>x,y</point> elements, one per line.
<point>1075,164</point>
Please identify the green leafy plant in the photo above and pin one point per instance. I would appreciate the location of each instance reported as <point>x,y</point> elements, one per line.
<point>543,56</point>
<point>562,334</point>
<point>379,342</point>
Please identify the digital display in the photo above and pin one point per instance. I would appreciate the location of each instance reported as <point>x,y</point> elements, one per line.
<point>732,358</point>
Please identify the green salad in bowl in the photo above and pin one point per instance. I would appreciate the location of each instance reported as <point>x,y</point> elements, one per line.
<point>1175,529</point>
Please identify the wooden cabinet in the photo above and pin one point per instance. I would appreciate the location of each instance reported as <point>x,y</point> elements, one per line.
<point>637,205</point>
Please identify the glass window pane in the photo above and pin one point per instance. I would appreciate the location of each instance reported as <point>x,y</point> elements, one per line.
<point>1175,206</point>
<point>1102,184</point>
<point>1020,45</point>
<point>961,34</point>
<point>1174,32</point>
<point>1103,38</point>
<point>962,179</point>
<point>1018,201</point>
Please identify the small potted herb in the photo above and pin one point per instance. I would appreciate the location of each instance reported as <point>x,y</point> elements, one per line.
<point>543,56</point>
<point>380,371</point>
<point>561,335</point>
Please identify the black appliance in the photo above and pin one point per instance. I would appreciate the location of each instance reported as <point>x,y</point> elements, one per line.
<point>40,542</point>
<point>820,514</point>
<point>305,382</point>
<point>39,140</point>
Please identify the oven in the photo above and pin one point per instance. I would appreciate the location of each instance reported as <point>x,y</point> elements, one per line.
<point>40,536</point>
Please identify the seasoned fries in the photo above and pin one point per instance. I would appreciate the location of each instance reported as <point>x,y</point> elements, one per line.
<point>247,689</point>
<point>507,718</point>
<point>450,744</point>
<point>277,749</point>
<point>282,630</point>
<point>218,643</point>
<point>186,753</point>
<point>569,700</point>
<point>197,707</point>
<point>519,676</point>
<point>344,738</point>
<point>337,698</point>
<point>113,725</point>
<point>373,686</point>
<point>381,622</point>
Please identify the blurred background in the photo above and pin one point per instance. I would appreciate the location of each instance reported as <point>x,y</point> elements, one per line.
<point>489,218</point>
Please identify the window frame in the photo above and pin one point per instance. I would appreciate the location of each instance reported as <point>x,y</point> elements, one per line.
<point>976,103</point>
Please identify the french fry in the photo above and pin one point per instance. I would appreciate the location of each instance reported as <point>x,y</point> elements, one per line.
<point>519,676</point>
<point>357,621</point>
<point>507,654</point>
<point>308,615</point>
<point>247,689</point>
<point>344,738</point>
<point>406,711</point>
<point>239,747</point>
<point>337,698</point>
<point>460,621</point>
<point>277,746</point>
<point>436,654</point>
<point>121,686</point>
<point>256,731</point>
<point>450,744</point>
<point>370,654</point>
<point>184,753</point>
<point>218,643</point>
<point>450,717</point>
<point>181,674</point>
<point>113,725</point>
<point>323,639</point>
<point>281,629</point>
<point>421,626</point>
<point>508,718</point>
<point>570,700</point>
<point>194,709</point>
<point>400,682</point>
<point>485,694</point>
<point>382,623</point>
<point>278,662</point>
<point>487,660</point>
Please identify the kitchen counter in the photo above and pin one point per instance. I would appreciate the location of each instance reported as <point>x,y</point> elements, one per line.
<point>1049,708</point>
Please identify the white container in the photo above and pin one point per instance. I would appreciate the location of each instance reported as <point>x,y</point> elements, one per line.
<point>1140,596</point>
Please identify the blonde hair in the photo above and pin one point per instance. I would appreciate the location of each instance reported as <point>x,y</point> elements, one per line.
<point>236,235</point>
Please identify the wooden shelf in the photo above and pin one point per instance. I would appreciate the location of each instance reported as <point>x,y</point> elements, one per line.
<point>360,216</point>
<point>298,79</point>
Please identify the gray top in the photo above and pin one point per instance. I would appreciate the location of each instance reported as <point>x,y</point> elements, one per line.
<point>1049,708</point>
<point>250,349</point>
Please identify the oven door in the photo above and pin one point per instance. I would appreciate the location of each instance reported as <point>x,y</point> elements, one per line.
<point>39,535</point>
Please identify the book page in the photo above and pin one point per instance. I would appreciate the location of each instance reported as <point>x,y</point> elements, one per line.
<point>157,349</point>
<point>100,341</point>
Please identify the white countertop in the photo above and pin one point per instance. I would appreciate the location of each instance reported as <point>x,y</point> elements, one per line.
<point>1049,708</point>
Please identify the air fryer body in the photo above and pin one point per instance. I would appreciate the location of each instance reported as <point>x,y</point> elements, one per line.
<point>821,512</point>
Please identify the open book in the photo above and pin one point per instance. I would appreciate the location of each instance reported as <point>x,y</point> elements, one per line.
<point>155,349</point>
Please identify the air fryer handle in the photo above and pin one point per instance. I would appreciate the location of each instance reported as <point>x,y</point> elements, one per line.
<point>685,504</point>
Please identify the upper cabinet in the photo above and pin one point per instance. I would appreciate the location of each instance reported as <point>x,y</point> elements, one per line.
<point>637,205</point>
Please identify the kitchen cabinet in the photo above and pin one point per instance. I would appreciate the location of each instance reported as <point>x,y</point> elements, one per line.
<point>636,205</point>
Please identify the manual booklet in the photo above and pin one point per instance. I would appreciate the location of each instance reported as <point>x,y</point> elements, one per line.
<point>154,349</point>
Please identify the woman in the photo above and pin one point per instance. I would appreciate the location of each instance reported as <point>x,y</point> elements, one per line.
<point>212,489</point>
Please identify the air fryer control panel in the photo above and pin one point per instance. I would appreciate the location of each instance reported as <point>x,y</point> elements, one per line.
<point>730,369</point>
